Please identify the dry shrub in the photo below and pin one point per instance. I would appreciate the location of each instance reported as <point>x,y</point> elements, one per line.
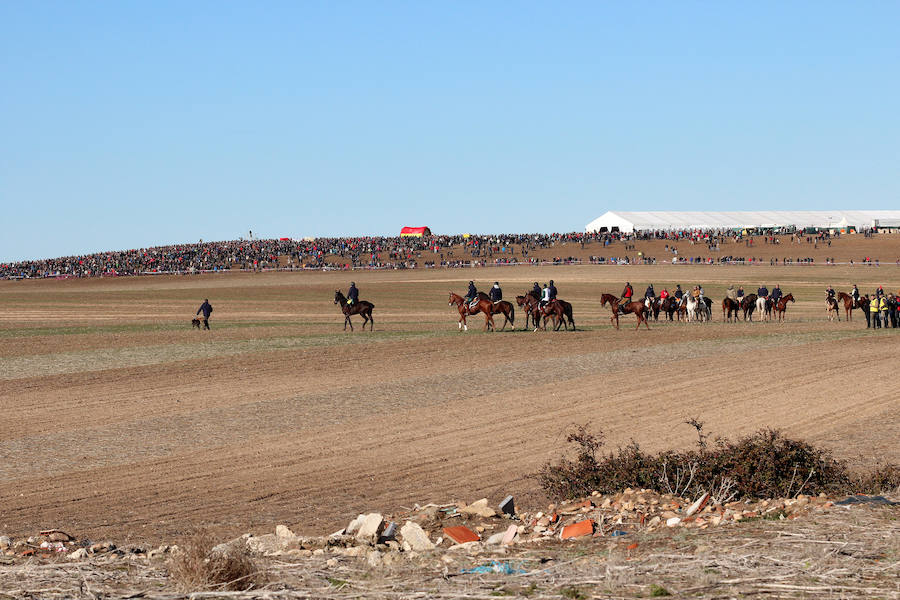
<point>765,464</point>
<point>197,568</point>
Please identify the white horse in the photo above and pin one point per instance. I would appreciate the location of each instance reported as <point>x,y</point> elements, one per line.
<point>761,308</point>
<point>697,309</point>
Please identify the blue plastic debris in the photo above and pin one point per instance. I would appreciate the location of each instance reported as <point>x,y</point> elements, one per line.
<point>618,533</point>
<point>504,568</point>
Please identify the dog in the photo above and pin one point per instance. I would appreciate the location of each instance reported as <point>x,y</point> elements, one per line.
<point>195,322</point>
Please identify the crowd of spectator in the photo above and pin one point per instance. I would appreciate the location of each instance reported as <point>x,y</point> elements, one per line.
<point>447,251</point>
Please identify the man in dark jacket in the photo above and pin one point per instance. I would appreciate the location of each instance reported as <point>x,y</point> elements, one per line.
<point>472,294</point>
<point>536,291</point>
<point>206,309</point>
<point>496,293</point>
<point>776,294</point>
<point>552,288</point>
<point>352,294</point>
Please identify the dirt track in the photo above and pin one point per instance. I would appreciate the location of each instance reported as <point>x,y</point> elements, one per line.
<point>120,421</point>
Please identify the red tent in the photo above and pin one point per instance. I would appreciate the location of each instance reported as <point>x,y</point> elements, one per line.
<point>414,231</point>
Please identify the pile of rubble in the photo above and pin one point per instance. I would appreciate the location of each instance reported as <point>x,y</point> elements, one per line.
<point>479,527</point>
<point>474,527</point>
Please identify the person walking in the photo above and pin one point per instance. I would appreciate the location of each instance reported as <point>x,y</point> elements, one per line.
<point>205,308</point>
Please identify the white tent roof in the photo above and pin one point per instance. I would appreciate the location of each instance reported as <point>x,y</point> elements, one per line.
<point>652,220</point>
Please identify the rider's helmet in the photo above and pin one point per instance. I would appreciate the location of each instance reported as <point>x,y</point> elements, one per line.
<point>471,283</point>
<point>551,282</point>
<point>497,283</point>
<point>352,283</point>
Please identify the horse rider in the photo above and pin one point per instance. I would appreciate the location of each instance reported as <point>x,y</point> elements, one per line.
<point>776,294</point>
<point>829,294</point>
<point>695,293</point>
<point>700,296</point>
<point>552,289</point>
<point>663,294</point>
<point>762,292</point>
<point>496,293</point>
<point>627,293</point>
<point>352,294</point>
<point>472,294</point>
<point>731,293</point>
<point>545,297</point>
<point>854,293</point>
<point>536,291</point>
<point>740,293</point>
<point>649,295</point>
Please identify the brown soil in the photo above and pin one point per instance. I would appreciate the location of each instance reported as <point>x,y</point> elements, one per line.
<point>120,421</point>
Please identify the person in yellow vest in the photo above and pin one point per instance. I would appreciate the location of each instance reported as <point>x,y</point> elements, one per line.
<point>885,307</point>
<point>875,309</point>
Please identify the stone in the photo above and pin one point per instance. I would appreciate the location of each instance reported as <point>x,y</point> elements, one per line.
<point>4,542</point>
<point>354,525</point>
<point>415,537</point>
<point>59,536</point>
<point>373,558</point>
<point>479,508</point>
<point>80,554</point>
<point>510,535</point>
<point>283,531</point>
<point>495,539</point>
<point>370,528</point>
<point>265,544</point>
<point>673,521</point>
<point>699,504</point>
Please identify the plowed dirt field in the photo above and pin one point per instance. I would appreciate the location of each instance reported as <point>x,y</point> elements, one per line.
<point>118,420</point>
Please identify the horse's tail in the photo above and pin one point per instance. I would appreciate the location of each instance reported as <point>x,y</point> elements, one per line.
<point>512,314</point>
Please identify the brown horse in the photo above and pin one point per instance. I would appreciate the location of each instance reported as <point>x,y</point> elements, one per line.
<point>361,308</point>
<point>561,311</point>
<point>638,308</point>
<point>849,304</point>
<point>781,307</point>
<point>531,306</point>
<point>730,308</point>
<point>482,306</point>
<point>748,305</point>
<point>831,307</point>
<point>501,308</point>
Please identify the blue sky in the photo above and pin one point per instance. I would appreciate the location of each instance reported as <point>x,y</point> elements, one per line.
<point>128,124</point>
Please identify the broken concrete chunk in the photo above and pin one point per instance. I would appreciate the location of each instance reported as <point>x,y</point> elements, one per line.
<point>415,537</point>
<point>479,508</point>
<point>371,527</point>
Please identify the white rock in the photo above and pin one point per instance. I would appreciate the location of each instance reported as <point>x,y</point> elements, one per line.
<point>479,508</point>
<point>672,522</point>
<point>495,539</point>
<point>4,542</point>
<point>700,503</point>
<point>80,554</point>
<point>415,537</point>
<point>283,531</point>
<point>354,525</point>
<point>371,527</point>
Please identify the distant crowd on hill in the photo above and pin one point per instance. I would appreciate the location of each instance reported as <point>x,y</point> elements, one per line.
<point>448,251</point>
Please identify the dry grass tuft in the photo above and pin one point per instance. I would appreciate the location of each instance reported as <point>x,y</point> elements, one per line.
<point>197,568</point>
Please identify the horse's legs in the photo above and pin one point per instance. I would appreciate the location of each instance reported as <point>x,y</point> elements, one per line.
<point>348,321</point>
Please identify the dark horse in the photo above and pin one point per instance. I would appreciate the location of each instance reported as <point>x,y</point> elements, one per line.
<point>361,308</point>
<point>483,306</point>
<point>781,307</point>
<point>748,305</point>
<point>638,308</point>
<point>669,306</point>
<point>561,311</point>
<point>850,304</point>
<point>730,308</point>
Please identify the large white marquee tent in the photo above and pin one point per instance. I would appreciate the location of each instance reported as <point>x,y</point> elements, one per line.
<point>667,220</point>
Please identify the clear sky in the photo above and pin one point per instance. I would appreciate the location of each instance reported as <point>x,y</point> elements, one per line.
<point>134,123</point>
